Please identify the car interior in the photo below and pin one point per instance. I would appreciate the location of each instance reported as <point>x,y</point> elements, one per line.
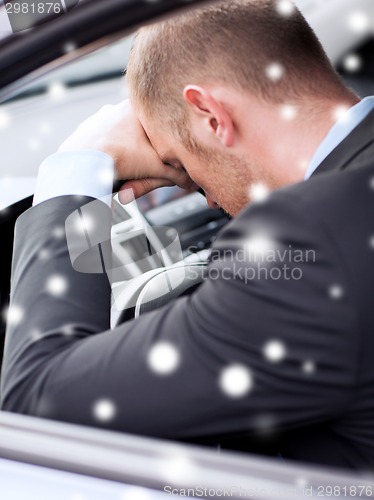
<point>51,79</point>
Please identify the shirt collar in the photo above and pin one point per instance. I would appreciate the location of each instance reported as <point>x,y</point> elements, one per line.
<point>340,131</point>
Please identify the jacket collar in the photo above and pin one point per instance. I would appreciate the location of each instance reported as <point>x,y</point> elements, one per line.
<point>345,153</point>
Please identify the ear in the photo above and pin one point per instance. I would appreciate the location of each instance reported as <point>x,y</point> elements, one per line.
<point>215,115</point>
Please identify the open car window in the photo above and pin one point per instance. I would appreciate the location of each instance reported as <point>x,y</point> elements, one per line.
<point>34,120</point>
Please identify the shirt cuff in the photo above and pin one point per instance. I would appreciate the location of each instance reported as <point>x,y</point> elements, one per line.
<point>83,173</point>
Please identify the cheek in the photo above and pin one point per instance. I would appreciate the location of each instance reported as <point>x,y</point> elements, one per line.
<point>199,166</point>
<point>196,171</point>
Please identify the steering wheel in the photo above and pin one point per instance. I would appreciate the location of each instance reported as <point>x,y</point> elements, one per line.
<point>158,287</point>
<point>91,250</point>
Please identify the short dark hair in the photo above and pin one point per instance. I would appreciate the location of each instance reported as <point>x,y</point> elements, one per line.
<point>247,44</point>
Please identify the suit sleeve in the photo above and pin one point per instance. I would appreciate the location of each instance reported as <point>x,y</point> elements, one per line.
<point>257,344</point>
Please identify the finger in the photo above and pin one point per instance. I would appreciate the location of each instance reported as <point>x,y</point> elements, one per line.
<point>139,187</point>
<point>179,176</point>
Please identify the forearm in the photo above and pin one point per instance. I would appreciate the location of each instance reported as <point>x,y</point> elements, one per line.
<point>61,359</point>
<point>49,299</point>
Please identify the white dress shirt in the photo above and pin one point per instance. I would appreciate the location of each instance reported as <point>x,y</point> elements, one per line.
<point>86,173</point>
<point>91,173</point>
<point>347,122</point>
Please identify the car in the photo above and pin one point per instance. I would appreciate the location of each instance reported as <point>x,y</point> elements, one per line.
<point>52,77</point>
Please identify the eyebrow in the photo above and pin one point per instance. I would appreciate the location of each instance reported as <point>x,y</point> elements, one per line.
<point>166,159</point>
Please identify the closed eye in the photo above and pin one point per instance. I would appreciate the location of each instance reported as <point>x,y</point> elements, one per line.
<point>173,163</point>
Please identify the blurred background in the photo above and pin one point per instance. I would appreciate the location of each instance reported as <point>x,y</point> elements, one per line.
<point>35,122</point>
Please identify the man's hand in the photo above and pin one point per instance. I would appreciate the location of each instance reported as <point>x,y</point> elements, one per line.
<point>116,131</point>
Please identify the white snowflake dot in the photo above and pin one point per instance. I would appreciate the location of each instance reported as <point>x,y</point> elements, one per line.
<point>304,164</point>
<point>163,358</point>
<point>285,7</point>
<point>68,330</point>
<point>235,381</point>
<point>57,91</point>
<point>105,177</point>
<point>4,119</point>
<point>352,63</point>
<point>336,292</point>
<point>358,22</point>
<point>258,247</point>
<point>308,367</point>
<point>69,47</point>
<point>44,254</point>
<point>46,128</point>
<point>288,112</point>
<point>36,334</point>
<point>258,192</point>
<point>14,315</point>
<point>178,468</point>
<point>274,351</point>
<point>57,285</point>
<point>58,232</point>
<point>33,144</point>
<point>84,223</point>
<point>264,424</point>
<point>339,113</point>
<point>301,482</point>
<point>371,183</point>
<point>275,72</point>
<point>371,242</point>
<point>104,410</point>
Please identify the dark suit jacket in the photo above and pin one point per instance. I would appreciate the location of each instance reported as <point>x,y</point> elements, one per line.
<point>313,400</point>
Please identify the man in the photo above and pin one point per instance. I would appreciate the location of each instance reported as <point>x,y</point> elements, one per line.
<point>276,358</point>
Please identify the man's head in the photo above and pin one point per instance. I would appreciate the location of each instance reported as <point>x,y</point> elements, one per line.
<point>222,90</point>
